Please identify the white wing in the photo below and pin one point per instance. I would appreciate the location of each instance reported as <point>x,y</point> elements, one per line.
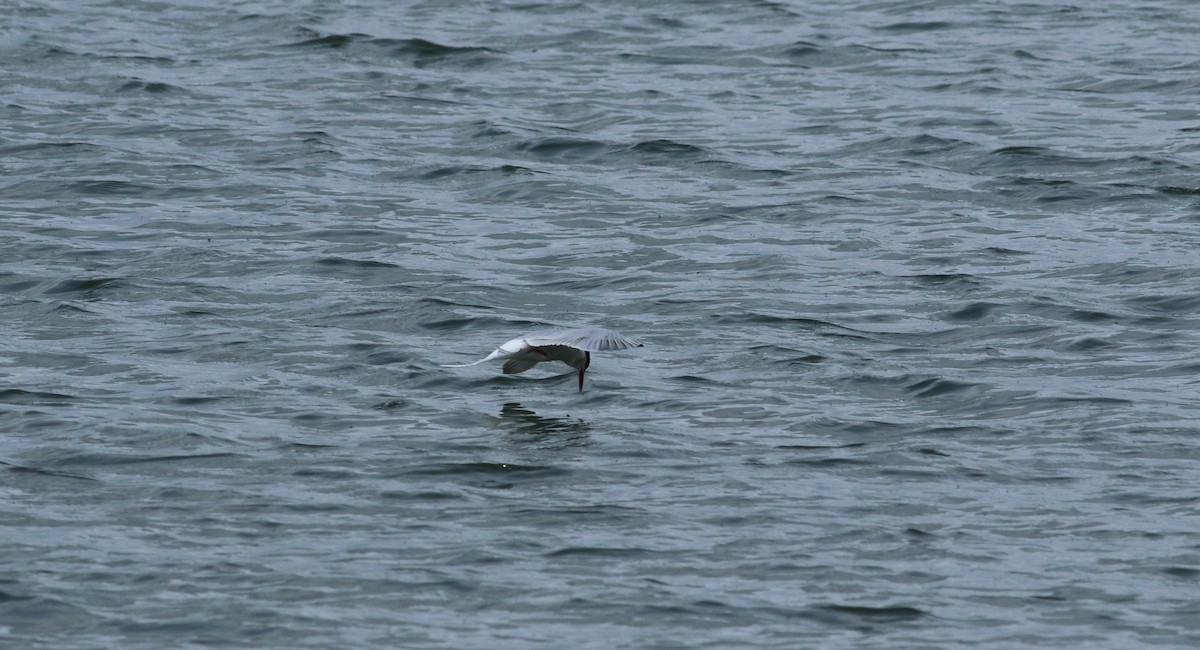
<point>591,339</point>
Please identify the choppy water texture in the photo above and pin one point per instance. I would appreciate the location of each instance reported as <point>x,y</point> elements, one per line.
<point>918,281</point>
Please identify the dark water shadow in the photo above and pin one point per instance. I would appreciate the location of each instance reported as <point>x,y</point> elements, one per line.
<point>523,421</point>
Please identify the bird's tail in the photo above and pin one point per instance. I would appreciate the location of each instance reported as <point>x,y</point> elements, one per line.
<point>494,355</point>
<point>463,365</point>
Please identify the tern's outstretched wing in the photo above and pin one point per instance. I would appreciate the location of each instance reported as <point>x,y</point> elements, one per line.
<point>518,365</point>
<point>591,339</point>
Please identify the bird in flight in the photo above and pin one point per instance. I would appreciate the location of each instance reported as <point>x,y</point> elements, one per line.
<point>573,347</point>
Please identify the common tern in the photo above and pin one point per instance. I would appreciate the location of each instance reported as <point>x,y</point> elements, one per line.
<point>573,347</point>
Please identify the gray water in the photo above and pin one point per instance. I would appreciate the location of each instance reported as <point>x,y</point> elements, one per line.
<point>919,284</point>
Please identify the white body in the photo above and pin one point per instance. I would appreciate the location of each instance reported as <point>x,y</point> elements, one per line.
<point>572,347</point>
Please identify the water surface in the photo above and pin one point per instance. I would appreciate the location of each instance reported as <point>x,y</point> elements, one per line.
<point>918,283</point>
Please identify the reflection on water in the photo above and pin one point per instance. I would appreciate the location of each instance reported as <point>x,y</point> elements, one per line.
<point>526,422</point>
